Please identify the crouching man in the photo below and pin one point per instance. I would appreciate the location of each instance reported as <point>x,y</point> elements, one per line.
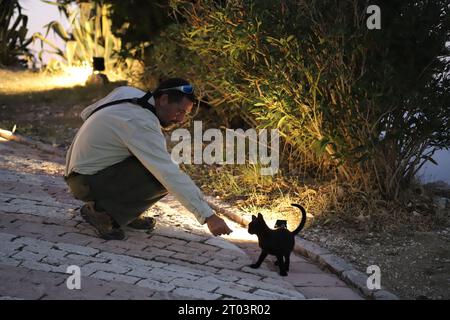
<point>118,162</point>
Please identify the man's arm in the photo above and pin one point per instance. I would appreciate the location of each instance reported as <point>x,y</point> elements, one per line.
<point>149,146</point>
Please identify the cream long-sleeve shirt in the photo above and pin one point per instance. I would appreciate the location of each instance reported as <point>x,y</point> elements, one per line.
<point>116,132</point>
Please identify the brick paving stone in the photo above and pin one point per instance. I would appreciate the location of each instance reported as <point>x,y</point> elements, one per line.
<point>239,294</point>
<point>23,283</point>
<point>159,239</point>
<point>315,279</point>
<point>272,287</point>
<point>90,268</point>
<point>239,274</point>
<point>76,238</point>
<point>261,271</point>
<point>221,243</point>
<point>165,275</point>
<point>224,264</point>
<point>61,222</point>
<point>198,284</point>
<point>226,284</point>
<point>41,266</point>
<point>151,253</point>
<point>124,260</point>
<point>81,250</point>
<point>91,289</point>
<point>141,254</point>
<point>202,246</point>
<point>332,293</point>
<point>196,294</point>
<point>140,272</point>
<point>184,249</point>
<point>155,285</point>
<point>115,277</point>
<point>9,261</point>
<point>34,243</point>
<point>243,261</point>
<point>19,233</point>
<point>278,281</point>
<point>212,254</point>
<point>13,217</point>
<point>191,258</point>
<point>106,246</point>
<point>232,253</point>
<point>171,260</point>
<point>304,267</point>
<point>21,227</point>
<point>7,218</point>
<point>159,274</point>
<point>132,293</point>
<point>179,234</point>
<point>27,217</point>
<point>28,256</point>
<point>9,248</point>
<point>296,258</point>
<point>124,244</point>
<point>225,277</point>
<point>186,270</point>
<point>277,296</point>
<point>71,259</point>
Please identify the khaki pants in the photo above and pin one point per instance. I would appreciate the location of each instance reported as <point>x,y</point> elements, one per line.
<point>124,190</point>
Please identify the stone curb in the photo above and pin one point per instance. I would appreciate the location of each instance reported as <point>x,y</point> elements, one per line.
<point>11,136</point>
<point>344,270</point>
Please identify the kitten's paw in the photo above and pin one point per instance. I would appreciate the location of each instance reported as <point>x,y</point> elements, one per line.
<point>283,273</point>
<point>254,266</point>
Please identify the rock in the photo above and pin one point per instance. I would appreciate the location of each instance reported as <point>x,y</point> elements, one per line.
<point>441,202</point>
<point>384,295</point>
<point>439,188</point>
<point>97,79</point>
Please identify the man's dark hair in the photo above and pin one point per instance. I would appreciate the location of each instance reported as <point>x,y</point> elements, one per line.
<point>175,96</point>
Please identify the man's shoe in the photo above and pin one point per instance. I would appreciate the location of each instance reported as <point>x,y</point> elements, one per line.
<point>105,226</point>
<point>143,223</point>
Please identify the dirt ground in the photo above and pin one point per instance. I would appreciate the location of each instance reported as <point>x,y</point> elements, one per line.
<point>414,265</point>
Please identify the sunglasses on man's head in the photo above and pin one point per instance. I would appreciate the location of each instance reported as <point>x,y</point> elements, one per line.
<point>187,89</point>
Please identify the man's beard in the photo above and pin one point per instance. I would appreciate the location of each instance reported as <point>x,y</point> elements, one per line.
<point>168,125</point>
<point>174,124</point>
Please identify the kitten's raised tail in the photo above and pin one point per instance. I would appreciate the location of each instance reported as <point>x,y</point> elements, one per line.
<point>303,221</point>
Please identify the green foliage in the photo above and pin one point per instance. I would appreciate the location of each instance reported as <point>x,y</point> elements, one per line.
<point>13,32</point>
<point>137,22</point>
<point>369,106</point>
<point>89,35</point>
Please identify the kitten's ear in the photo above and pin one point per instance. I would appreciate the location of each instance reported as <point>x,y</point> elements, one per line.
<point>260,215</point>
<point>253,218</point>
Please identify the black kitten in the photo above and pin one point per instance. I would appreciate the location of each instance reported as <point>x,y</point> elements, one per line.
<point>279,242</point>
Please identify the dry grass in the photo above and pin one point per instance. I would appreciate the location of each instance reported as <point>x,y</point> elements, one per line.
<point>43,106</point>
<point>327,202</point>
<point>25,81</point>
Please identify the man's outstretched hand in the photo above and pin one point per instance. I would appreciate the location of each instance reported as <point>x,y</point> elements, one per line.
<point>217,226</point>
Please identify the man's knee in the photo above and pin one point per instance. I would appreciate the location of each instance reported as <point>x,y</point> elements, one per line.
<point>79,187</point>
